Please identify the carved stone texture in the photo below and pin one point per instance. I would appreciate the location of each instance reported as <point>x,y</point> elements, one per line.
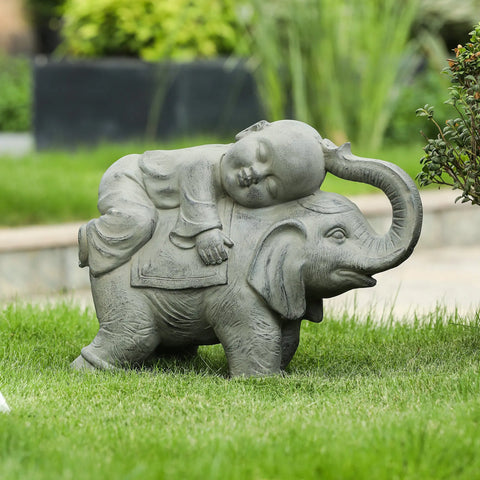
<point>234,244</point>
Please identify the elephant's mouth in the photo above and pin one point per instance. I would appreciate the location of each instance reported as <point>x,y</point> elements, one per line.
<point>358,279</point>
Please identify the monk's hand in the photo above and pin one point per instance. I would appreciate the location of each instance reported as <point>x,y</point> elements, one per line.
<point>211,246</point>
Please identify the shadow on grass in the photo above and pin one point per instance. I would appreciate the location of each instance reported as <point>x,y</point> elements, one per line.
<point>207,361</point>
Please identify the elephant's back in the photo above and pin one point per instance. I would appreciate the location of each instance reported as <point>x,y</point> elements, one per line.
<point>250,225</point>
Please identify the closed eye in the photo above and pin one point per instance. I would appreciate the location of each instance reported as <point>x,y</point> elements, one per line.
<point>262,153</point>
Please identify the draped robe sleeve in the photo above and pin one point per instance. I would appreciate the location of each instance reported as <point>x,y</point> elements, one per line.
<point>190,185</point>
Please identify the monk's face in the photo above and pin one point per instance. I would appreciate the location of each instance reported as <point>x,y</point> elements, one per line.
<point>271,165</point>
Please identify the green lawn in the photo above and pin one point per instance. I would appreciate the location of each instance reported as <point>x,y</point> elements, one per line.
<point>360,401</point>
<point>59,186</point>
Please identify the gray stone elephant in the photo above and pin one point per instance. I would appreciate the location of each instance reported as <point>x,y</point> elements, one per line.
<point>286,258</point>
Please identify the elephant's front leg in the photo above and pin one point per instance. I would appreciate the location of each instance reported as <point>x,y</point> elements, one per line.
<point>249,332</point>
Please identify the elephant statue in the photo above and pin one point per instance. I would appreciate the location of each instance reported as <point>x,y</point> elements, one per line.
<point>286,258</point>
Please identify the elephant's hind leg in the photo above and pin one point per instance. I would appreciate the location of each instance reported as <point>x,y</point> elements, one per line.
<point>128,333</point>
<point>122,341</point>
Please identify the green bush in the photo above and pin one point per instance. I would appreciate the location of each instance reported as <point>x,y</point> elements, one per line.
<point>453,157</point>
<point>150,29</point>
<point>15,96</point>
<point>426,87</point>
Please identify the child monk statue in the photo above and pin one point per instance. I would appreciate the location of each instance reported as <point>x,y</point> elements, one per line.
<point>269,163</point>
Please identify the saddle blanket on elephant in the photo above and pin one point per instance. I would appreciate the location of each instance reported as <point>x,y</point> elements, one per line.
<point>161,264</point>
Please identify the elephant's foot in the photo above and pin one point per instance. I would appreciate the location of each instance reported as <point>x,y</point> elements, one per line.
<point>81,364</point>
<point>88,361</point>
<point>256,374</point>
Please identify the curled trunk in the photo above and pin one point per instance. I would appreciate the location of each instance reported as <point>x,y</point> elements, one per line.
<point>397,244</point>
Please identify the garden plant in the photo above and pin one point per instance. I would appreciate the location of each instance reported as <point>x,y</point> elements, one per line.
<point>453,157</point>
<point>344,62</point>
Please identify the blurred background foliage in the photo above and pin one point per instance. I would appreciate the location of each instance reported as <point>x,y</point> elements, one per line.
<point>46,18</point>
<point>355,70</point>
<point>344,62</point>
<point>15,94</point>
<point>151,29</point>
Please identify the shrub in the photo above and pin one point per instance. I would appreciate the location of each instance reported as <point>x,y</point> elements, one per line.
<point>426,87</point>
<point>15,97</point>
<point>453,157</point>
<point>150,29</point>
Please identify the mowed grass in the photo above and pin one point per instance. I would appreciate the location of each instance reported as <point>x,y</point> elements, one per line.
<point>57,186</point>
<point>361,400</point>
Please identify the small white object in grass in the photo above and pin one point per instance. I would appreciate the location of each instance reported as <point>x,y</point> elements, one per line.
<point>4,408</point>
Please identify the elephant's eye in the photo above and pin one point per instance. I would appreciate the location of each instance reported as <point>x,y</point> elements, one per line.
<point>337,234</point>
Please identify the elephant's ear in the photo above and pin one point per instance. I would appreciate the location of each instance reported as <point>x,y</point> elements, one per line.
<point>276,272</point>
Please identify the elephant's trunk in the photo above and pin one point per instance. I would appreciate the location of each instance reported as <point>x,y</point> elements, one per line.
<point>397,244</point>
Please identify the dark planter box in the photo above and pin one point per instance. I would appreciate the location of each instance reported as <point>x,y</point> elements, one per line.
<point>86,102</point>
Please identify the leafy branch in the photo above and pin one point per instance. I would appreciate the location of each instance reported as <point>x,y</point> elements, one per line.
<point>453,157</point>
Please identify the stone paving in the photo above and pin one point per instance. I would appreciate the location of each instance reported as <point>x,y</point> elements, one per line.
<point>16,144</point>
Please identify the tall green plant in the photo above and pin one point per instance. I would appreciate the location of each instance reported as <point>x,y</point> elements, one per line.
<point>338,64</point>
